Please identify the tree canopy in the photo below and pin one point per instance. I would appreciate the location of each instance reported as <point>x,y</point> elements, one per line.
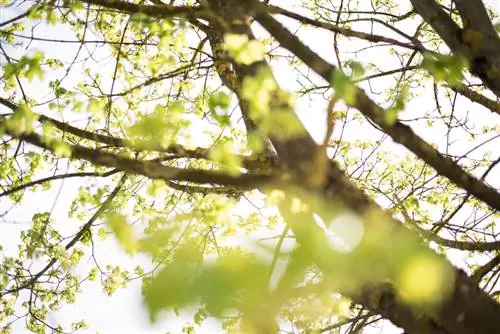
<point>281,166</point>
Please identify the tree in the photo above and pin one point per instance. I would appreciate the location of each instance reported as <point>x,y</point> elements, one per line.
<point>191,143</point>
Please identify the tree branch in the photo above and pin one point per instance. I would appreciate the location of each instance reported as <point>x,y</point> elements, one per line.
<point>203,190</point>
<point>56,177</point>
<point>159,11</point>
<point>334,28</point>
<point>462,245</point>
<point>485,269</point>
<point>249,162</point>
<point>84,229</point>
<point>153,170</point>
<point>398,131</point>
<point>475,16</point>
<point>296,153</point>
<point>476,97</point>
<point>477,43</point>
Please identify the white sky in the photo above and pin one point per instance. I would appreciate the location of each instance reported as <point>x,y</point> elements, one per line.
<point>123,312</point>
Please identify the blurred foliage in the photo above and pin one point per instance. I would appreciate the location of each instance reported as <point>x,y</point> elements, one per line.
<point>217,250</point>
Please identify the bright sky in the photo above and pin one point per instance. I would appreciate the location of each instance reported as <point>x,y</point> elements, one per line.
<point>123,312</point>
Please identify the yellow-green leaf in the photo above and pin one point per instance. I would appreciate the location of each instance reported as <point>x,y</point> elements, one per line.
<point>123,232</point>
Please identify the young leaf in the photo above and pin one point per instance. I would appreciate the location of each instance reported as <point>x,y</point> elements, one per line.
<point>123,232</point>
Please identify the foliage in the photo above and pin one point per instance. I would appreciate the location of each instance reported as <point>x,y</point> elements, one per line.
<point>176,133</point>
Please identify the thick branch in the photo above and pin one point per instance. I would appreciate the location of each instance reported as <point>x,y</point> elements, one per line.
<point>179,151</point>
<point>151,169</point>
<point>163,11</point>
<point>485,269</point>
<point>476,41</point>
<point>462,245</point>
<point>299,151</point>
<point>476,97</point>
<point>398,131</point>
<point>203,190</point>
<point>475,16</point>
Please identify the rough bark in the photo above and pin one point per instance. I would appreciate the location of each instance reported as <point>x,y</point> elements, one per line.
<point>477,40</point>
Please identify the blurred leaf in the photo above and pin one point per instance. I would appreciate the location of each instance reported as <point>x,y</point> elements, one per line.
<point>157,127</point>
<point>21,121</point>
<point>258,91</point>
<point>29,67</point>
<point>96,106</point>
<point>223,153</point>
<point>123,232</point>
<point>424,279</point>
<point>172,287</point>
<point>61,149</point>
<point>343,86</point>
<point>233,281</point>
<point>218,104</point>
<point>391,114</point>
<point>448,68</point>
<point>357,69</point>
<point>243,50</point>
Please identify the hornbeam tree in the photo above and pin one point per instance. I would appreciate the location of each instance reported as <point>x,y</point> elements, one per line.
<point>280,166</point>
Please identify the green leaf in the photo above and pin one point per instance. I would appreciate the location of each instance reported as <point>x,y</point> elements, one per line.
<point>243,50</point>
<point>123,232</point>
<point>255,143</point>
<point>357,69</point>
<point>156,242</point>
<point>448,68</point>
<point>344,88</point>
<point>225,284</point>
<point>34,68</point>
<point>76,5</point>
<point>62,149</point>
<point>21,121</point>
<point>233,281</point>
<point>223,153</point>
<point>258,91</point>
<point>218,104</point>
<point>96,106</point>
<point>173,286</point>
<point>219,100</point>
<point>391,114</point>
<point>158,127</point>
<point>9,70</point>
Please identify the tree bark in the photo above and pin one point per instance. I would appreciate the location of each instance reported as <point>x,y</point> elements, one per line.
<point>467,309</point>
